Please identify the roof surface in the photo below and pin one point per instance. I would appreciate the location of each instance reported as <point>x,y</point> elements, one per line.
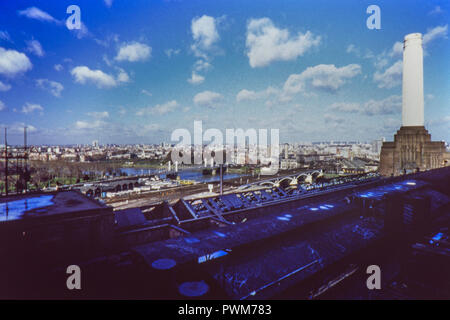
<point>44,204</point>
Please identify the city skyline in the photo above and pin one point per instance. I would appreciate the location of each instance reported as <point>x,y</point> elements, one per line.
<point>231,67</point>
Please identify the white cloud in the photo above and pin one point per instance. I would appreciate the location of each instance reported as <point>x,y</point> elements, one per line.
<point>205,35</point>
<point>4,35</point>
<point>2,106</point>
<point>58,67</point>
<point>208,99</point>
<point>4,86</point>
<point>108,3</point>
<point>390,125</point>
<point>353,49</point>
<point>122,76</point>
<point>146,92</point>
<point>435,33</point>
<point>380,62</point>
<point>99,114</point>
<point>82,32</point>
<point>13,62</point>
<point>323,76</point>
<point>82,125</point>
<point>246,95</point>
<point>35,47</point>
<point>333,120</point>
<point>441,121</point>
<point>250,95</point>
<point>397,49</point>
<point>53,87</point>
<point>266,43</point>
<point>106,42</point>
<point>83,74</point>
<point>389,105</point>
<point>345,107</point>
<point>134,52</point>
<point>159,109</point>
<point>31,107</point>
<point>172,52</point>
<point>89,125</point>
<point>38,14</point>
<point>202,65</point>
<point>196,78</point>
<point>151,127</point>
<point>391,77</point>
<point>436,10</point>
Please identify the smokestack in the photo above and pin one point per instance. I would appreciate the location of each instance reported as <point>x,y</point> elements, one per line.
<point>412,99</point>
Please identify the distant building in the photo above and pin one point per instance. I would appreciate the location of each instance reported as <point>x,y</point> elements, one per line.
<point>376,145</point>
<point>286,164</point>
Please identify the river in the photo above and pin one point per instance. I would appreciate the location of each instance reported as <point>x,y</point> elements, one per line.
<point>189,174</point>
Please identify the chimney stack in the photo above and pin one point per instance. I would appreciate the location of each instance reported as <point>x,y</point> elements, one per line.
<point>412,97</point>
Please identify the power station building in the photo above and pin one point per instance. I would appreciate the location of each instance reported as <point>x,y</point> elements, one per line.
<point>412,148</point>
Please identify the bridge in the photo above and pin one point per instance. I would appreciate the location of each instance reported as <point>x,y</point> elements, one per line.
<point>96,188</point>
<point>286,181</point>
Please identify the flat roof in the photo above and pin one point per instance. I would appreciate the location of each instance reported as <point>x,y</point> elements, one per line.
<point>45,204</point>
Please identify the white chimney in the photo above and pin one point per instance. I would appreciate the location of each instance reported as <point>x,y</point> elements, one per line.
<point>412,100</point>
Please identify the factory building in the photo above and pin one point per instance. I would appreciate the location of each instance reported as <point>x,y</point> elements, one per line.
<point>412,148</point>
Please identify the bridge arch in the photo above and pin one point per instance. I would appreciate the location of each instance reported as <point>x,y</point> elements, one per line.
<point>268,183</point>
<point>302,176</point>
<point>316,173</point>
<point>285,182</point>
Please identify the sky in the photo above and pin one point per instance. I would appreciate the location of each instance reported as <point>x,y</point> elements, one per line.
<point>135,71</point>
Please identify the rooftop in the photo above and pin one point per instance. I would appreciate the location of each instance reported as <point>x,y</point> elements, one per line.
<point>44,204</point>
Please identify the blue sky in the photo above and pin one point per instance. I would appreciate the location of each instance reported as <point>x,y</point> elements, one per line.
<point>137,70</point>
